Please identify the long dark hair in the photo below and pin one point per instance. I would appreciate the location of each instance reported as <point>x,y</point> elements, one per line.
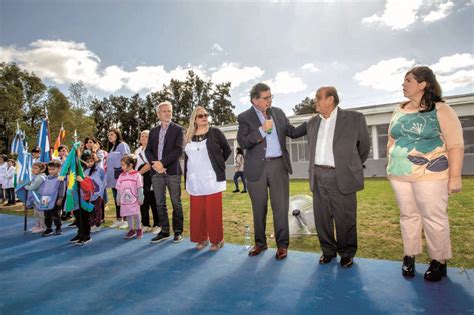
<point>119,140</point>
<point>432,92</point>
<point>239,151</point>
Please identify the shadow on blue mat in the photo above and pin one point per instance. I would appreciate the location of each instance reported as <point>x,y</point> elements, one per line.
<point>114,276</point>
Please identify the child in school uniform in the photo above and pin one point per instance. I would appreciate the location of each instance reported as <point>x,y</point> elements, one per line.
<point>92,187</point>
<point>51,199</point>
<point>34,198</point>
<point>8,183</point>
<point>3,174</point>
<point>130,195</point>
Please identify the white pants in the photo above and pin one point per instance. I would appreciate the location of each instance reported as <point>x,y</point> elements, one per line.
<point>423,204</point>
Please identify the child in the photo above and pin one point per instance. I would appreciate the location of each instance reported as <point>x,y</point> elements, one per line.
<point>130,195</point>
<point>34,198</point>
<point>51,198</point>
<point>3,174</point>
<point>92,188</point>
<point>8,183</point>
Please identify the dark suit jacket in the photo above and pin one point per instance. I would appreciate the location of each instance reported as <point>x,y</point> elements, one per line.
<point>172,149</point>
<point>251,140</point>
<point>351,147</point>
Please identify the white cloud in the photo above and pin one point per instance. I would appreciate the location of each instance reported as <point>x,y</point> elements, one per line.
<point>236,74</point>
<point>456,80</point>
<point>310,67</point>
<point>454,62</point>
<point>443,10</point>
<point>217,50</point>
<point>112,80</point>
<point>285,83</point>
<point>451,72</point>
<point>398,14</point>
<point>386,75</point>
<point>244,100</point>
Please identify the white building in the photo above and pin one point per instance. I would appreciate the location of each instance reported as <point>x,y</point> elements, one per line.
<point>378,118</point>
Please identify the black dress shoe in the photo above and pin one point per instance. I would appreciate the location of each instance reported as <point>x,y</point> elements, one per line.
<point>346,262</point>
<point>325,259</point>
<point>436,271</point>
<point>408,267</point>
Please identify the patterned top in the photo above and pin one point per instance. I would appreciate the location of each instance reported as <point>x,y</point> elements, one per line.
<point>419,143</point>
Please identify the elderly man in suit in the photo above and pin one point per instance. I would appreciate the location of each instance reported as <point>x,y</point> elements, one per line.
<point>163,150</point>
<point>339,145</point>
<point>262,133</point>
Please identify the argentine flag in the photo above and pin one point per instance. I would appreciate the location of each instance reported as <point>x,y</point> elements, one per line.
<point>23,171</point>
<point>43,142</point>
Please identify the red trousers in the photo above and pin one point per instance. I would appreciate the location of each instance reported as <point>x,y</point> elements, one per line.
<point>206,218</point>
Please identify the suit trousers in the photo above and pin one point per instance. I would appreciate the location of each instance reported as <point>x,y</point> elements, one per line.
<point>274,180</point>
<point>332,208</point>
<point>206,218</point>
<point>149,201</point>
<point>423,205</point>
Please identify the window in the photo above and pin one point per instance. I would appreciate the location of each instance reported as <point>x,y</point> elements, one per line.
<point>298,149</point>
<point>467,123</point>
<point>382,138</point>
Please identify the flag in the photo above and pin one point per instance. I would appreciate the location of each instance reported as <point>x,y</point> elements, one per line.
<point>23,172</point>
<point>59,140</point>
<point>43,142</point>
<point>72,168</point>
<point>17,139</point>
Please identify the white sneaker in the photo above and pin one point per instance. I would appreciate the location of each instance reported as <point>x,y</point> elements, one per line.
<point>123,225</point>
<point>156,230</point>
<point>116,224</point>
<point>95,229</point>
<point>146,229</point>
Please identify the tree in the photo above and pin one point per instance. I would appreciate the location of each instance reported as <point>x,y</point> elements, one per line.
<point>79,96</point>
<point>305,107</point>
<point>221,110</point>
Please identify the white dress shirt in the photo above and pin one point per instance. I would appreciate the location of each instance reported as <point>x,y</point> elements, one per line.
<point>324,153</point>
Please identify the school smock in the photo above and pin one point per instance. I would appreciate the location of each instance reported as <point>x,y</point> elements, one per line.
<point>98,179</point>
<point>9,178</point>
<point>127,187</point>
<point>3,172</point>
<point>201,178</point>
<point>113,163</point>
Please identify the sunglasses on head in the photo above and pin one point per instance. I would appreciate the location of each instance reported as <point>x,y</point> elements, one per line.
<point>202,115</point>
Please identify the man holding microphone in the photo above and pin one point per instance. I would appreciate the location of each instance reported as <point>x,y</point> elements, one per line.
<point>262,133</point>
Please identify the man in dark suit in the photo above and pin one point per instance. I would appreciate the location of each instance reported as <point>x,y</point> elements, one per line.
<point>339,145</point>
<point>164,148</point>
<point>262,133</point>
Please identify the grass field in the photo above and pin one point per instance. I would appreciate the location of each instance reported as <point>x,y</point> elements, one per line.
<point>377,217</point>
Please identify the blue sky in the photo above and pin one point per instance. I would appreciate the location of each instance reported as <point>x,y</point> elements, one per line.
<point>363,48</point>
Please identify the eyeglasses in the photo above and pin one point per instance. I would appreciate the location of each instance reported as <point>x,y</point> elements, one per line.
<point>267,98</point>
<point>202,116</point>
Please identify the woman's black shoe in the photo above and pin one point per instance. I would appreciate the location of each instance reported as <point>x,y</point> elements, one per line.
<point>436,271</point>
<point>408,267</point>
<point>235,191</point>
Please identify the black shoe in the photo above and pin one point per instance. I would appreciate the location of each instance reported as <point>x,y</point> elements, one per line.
<point>436,271</point>
<point>346,262</point>
<point>325,259</point>
<point>178,237</point>
<point>58,231</point>
<point>75,239</point>
<point>236,191</point>
<point>408,267</point>
<point>160,237</point>
<point>84,241</point>
<point>47,232</point>
<point>243,192</point>
<point>74,223</point>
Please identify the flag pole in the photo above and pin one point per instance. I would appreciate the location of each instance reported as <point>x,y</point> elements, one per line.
<point>26,214</point>
<point>78,160</point>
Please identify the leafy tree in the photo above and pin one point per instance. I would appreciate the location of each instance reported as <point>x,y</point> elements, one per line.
<point>305,107</point>
<point>221,110</point>
<point>79,96</point>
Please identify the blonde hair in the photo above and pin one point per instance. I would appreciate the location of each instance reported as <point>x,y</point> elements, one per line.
<point>192,124</point>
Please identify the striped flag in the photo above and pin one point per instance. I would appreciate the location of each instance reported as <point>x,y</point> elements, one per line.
<point>43,142</point>
<point>17,140</point>
<point>59,140</point>
<point>23,171</point>
<point>72,168</point>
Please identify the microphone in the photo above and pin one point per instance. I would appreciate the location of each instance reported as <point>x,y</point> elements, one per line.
<point>268,113</point>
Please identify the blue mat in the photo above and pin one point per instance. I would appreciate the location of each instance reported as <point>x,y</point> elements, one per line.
<point>113,276</point>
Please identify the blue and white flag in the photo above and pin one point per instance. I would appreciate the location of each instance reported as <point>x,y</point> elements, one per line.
<point>43,142</point>
<point>17,139</point>
<point>23,172</point>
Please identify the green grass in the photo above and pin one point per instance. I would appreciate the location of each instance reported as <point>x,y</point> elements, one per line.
<point>377,217</point>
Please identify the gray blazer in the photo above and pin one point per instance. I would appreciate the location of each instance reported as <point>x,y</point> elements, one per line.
<point>351,147</point>
<point>251,140</point>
